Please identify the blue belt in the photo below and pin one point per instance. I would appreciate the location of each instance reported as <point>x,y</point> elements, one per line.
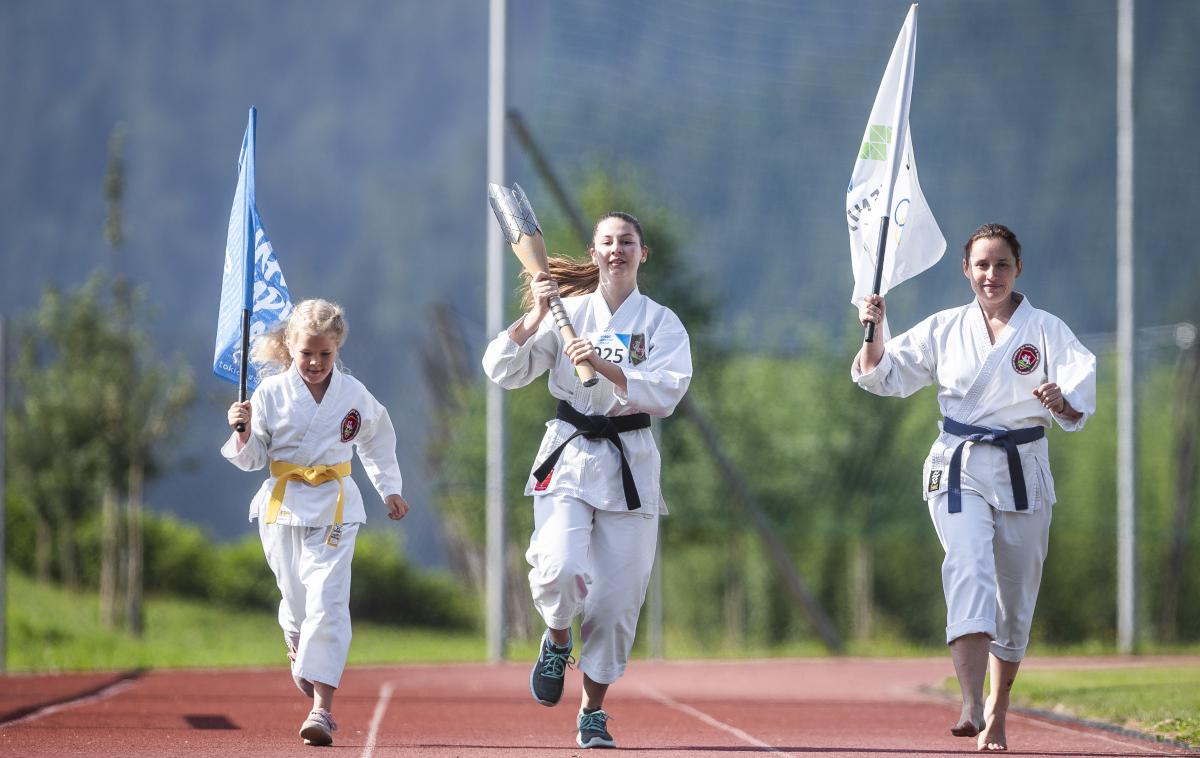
<point>1006,438</point>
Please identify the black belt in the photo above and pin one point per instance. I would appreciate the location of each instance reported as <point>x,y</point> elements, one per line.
<point>598,428</point>
<point>1005,438</point>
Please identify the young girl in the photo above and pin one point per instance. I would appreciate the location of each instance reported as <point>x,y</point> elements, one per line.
<point>304,423</point>
<point>1005,371</point>
<point>596,478</point>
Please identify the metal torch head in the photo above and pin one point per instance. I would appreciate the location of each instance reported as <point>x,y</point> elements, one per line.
<point>513,211</point>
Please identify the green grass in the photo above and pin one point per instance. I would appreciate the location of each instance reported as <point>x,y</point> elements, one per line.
<point>682,645</point>
<point>1162,701</point>
<point>52,629</point>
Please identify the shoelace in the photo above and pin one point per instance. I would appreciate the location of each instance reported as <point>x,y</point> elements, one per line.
<point>596,721</point>
<point>555,665</point>
<point>320,714</point>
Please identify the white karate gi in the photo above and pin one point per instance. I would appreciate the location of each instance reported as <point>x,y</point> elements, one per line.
<point>590,554</point>
<point>994,552</point>
<point>288,425</point>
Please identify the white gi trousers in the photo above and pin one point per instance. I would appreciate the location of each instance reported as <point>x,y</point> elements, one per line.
<point>992,570</point>
<point>595,562</point>
<point>314,580</point>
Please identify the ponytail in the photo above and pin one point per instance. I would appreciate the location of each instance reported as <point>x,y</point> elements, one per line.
<point>574,277</point>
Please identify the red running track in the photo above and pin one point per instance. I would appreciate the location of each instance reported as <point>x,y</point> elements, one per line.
<point>821,707</point>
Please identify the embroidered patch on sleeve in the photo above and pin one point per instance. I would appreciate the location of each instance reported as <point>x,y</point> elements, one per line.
<point>935,480</point>
<point>350,425</point>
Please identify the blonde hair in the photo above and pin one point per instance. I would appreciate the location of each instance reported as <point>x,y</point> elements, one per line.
<point>578,277</point>
<point>311,318</point>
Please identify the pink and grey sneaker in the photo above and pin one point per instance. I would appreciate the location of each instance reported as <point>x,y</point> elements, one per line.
<point>302,684</point>
<point>318,728</point>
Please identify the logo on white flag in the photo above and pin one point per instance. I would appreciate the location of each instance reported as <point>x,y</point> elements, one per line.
<point>874,147</point>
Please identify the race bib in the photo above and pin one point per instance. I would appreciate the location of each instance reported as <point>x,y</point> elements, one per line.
<point>619,348</point>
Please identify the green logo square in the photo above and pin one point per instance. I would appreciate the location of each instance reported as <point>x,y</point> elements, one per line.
<point>875,146</point>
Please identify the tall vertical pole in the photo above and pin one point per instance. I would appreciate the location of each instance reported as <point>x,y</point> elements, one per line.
<point>494,585</point>
<point>1126,419</point>
<point>3,490</point>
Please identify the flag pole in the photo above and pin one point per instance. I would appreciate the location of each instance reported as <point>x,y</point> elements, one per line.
<point>247,260</point>
<point>899,132</point>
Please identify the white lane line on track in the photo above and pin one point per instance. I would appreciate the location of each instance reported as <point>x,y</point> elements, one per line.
<point>702,716</point>
<point>113,689</point>
<point>385,695</point>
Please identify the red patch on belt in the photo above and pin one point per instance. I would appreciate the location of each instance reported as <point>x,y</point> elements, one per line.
<point>350,425</point>
<point>542,485</point>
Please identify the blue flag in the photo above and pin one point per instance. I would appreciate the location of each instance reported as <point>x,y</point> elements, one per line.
<point>252,278</point>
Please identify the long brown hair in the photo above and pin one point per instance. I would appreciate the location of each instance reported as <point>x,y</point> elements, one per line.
<point>575,276</point>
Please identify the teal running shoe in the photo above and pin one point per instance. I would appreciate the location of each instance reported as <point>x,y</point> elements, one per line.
<point>593,730</point>
<point>549,671</point>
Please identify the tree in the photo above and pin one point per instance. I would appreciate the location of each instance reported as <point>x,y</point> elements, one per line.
<point>91,408</point>
<point>110,514</point>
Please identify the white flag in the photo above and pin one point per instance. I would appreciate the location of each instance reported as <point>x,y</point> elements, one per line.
<point>884,183</point>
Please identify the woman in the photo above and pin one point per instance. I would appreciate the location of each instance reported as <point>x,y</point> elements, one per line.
<point>1004,370</point>
<point>595,482</point>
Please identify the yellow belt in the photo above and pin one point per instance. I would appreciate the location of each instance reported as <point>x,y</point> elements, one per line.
<point>310,475</point>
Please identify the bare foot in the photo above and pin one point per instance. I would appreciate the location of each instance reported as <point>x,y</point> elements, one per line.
<point>964,728</point>
<point>992,739</point>
<point>970,721</point>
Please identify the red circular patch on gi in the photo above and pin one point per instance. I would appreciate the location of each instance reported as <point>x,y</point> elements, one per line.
<point>350,425</point>
<point>1026,359</point>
